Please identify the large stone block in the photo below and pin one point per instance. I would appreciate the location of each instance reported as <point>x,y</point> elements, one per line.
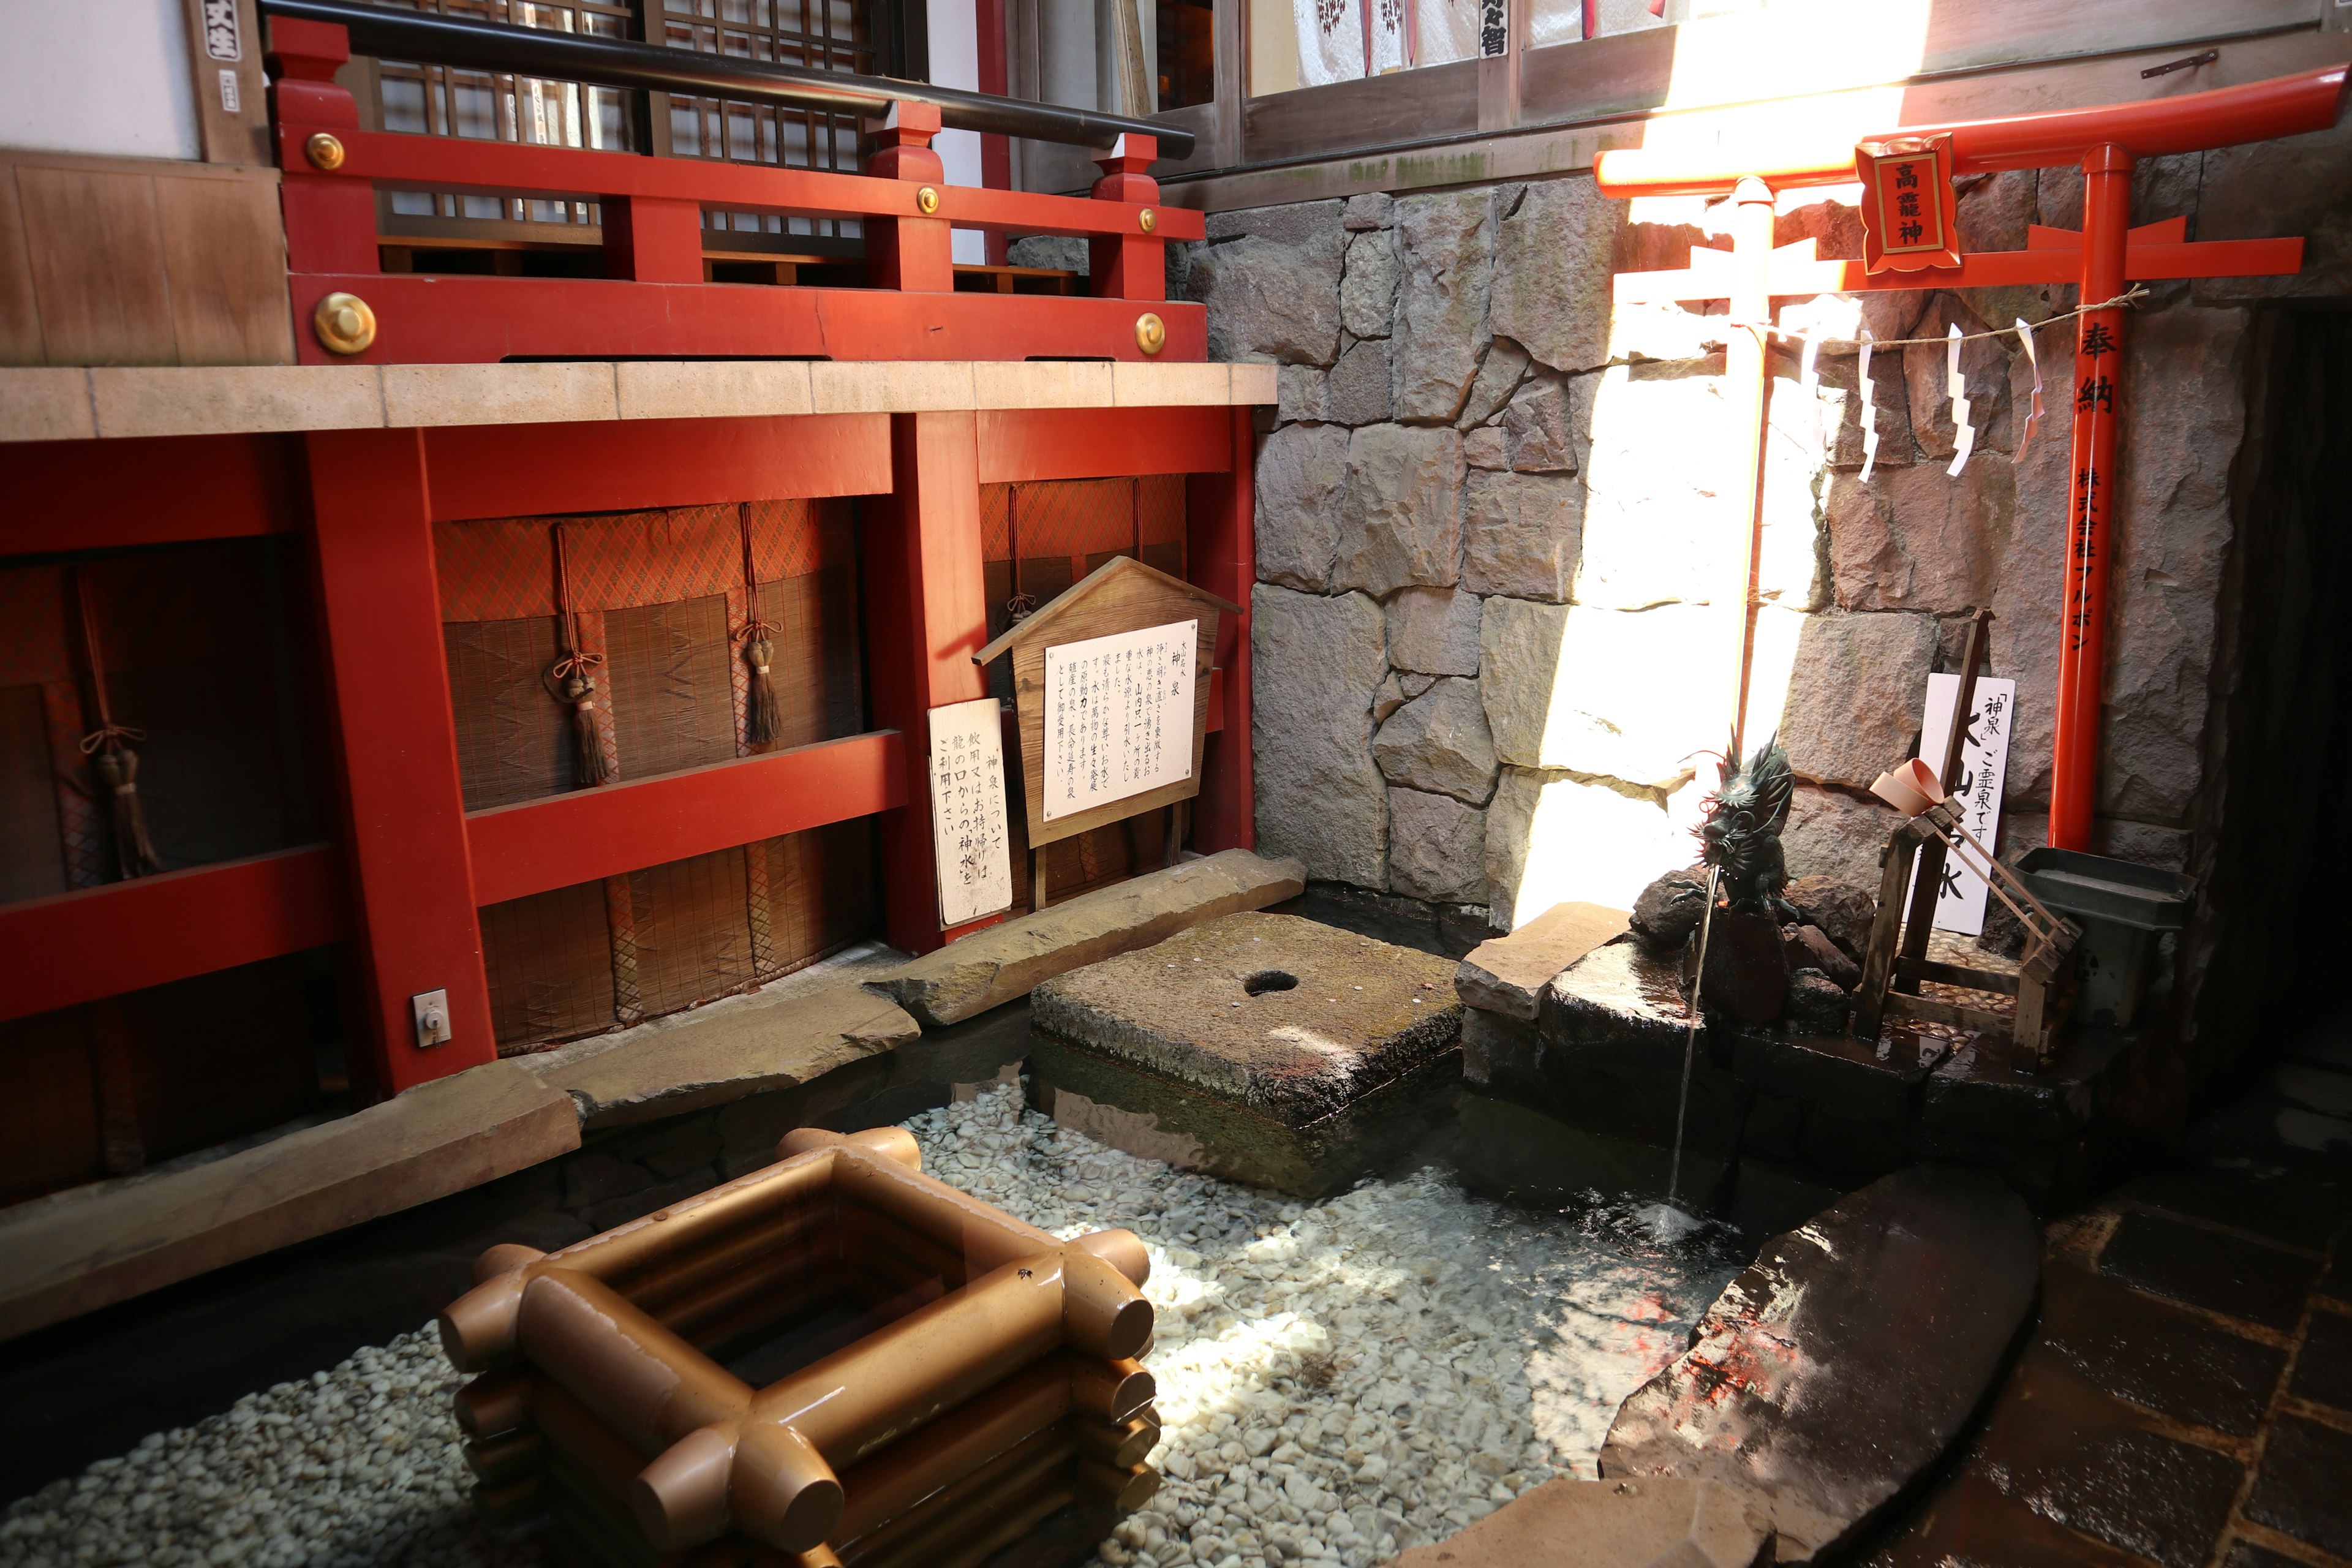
<point>1522,534</point>
<point>1319,663</point>
<point>1552,268</point>
<point>1832,834</point>
<point>1890,409</point>
<point>1622,695</point>
<point>1301,471</point>
<point>1445,264</point>
<point>1437,848</point>
<point>1537,427</point>
<point>1984,364</point>
<point>2293,186</point>
<point>1506,974</point>
<point>1400,522</point>
<point>1433,631</point>
<point>1551,840</point>
<point>1439,742</point>
<point>1374,209</point>
<point>1484,448</point>
<point>1285,1052</point>
<point>1357,391</point>
<point>1855,696</point>
<point>1368,291</point>
<point>1498,375</point>
<point>1914,539</point>
<point>1844,1361</point>
<point>1270,279</point>
<point>1301,392</point>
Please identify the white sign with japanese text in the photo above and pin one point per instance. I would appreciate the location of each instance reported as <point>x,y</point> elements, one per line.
<point>969,832</point>
<point>1984,766</point>
<point>1118,716</point>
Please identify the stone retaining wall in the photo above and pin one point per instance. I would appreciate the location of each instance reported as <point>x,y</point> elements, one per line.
<point>1491,618</point>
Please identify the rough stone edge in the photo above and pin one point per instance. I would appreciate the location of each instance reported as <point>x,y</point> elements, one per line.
<point>226,1210</point>
<point>1001,962</point>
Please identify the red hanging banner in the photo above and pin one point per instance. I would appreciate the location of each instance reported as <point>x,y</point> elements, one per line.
<point>1907,207</point>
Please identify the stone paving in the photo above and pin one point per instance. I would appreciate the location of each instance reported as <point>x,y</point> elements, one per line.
<point>2185,1398</point>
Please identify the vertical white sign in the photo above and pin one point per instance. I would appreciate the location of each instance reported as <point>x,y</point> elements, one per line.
<point>1984,767</point>
<point>1118,716</point>
<point>969,834</point>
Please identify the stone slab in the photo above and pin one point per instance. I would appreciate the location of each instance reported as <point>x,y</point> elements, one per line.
<point>1842,1363</point>
<point>729,1051</point>
<point>1507,974</point>
<point>95,1245</point>
<point>1611,1037</point>
<point>1642,1523</point>
<point>2301,1489</point>
<point>1524,1156</point>
<point>2133,1347</point>
<point>1287,1018</point>
<point>995,965</point>
<point>2235,1276</point>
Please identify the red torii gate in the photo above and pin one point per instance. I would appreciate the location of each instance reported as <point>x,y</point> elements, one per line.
<point>2100,260</point>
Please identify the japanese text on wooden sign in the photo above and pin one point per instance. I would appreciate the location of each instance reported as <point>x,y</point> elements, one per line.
<point>1118,716</point>
<point>969,833</point>
<point>1984,769</point>
<point>1907,205</point>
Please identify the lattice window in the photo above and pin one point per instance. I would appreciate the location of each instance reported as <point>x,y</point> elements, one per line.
<point>823,34</point>
<point>439,100</point>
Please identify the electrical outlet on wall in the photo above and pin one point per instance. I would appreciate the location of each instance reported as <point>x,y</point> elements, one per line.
<point>432,1012</point>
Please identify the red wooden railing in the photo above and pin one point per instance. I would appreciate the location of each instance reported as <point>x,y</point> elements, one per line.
<point>653,300</point>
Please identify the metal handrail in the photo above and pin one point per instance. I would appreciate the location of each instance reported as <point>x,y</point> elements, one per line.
<point>429,39</point>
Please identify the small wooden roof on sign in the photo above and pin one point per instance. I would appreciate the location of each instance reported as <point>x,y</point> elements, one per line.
<point>1069,598</point>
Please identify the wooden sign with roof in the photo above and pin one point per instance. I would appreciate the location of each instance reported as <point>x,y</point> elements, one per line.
<point>1110,680</point>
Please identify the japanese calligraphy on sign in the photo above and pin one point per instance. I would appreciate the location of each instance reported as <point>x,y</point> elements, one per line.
<point>221,40</point>
<point>970,835</point>
<point>1118,716</point>
<point>1984,768</point>
<point>1908,206</point>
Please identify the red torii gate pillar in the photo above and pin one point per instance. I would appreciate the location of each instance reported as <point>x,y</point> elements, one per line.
<point>2100,260</point>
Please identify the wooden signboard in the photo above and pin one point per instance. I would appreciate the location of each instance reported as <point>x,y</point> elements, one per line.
<point>1110,680</point>
<point>968,829</point>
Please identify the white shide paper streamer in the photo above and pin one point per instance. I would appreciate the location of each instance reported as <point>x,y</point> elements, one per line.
<point>1869,413</point>
<point>2033,415</point>
<point>1964,434</point>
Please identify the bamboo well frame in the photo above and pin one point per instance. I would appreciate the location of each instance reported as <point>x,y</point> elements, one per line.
<point>993,1378</point>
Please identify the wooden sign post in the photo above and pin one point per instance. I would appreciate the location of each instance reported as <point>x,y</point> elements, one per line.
<point>1110,684</point>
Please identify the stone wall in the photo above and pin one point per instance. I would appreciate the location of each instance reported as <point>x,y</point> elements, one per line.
<point>1491,621</point>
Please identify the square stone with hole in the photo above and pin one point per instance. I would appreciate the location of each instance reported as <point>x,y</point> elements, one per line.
<point>1263,1049</point>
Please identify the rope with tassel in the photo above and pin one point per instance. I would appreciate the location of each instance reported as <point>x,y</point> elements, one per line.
<point>763,716</point>
<point>572,679</point>
<point>114,764</point>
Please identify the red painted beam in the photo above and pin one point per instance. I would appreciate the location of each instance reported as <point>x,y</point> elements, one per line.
<point>425,319</point>
<point>528,849</point>
<point>102,942</point>
<point>1221,549</point>
<point>164,490</point>
<point>1103,443</point>
<point>518,471</point>
<point>455,164</point>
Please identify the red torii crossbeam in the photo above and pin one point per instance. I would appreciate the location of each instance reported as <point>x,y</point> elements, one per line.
<point>2100,260</point>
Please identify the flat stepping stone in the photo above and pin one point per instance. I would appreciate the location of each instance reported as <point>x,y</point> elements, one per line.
<point>1650,1523</point>
<point>1846,1360</point>
<point>1262,1048</point>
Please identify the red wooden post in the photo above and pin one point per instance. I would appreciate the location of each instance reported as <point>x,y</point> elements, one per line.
<point>403,827</point>
<point>996,152</point>
<point>926,615</point>
<point>912,254</point>
<point>329,222</point>
<point>651,240</point>
<point>1221,547</point>
<point>1128,266</point>
<point>2098,378</point>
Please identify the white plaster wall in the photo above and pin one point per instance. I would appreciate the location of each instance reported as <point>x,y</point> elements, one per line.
<point>104,76</point>
<point>955,62</point>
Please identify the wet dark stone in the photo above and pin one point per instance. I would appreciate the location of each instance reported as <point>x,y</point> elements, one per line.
<point>2300,1208</point>
<point>1747,972</point>
<point>1817,1004</point>
<point>1808,947</point>
<point>2302,1489</point>
<point>1845,912</point>
<point>1668,909</point>
<point>1971,1524</point>
<point>2323,1371</point>
<point>1846,1358</point>
<point>2222,1273</point>
<point>1857,1109</point>
<point>2134,1489</point>
<point>2246,1554</point>
<point>1774,1124</point>
<point>2155,1354</point>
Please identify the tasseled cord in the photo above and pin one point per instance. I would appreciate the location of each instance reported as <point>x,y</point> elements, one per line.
<point>572,680</point>
<point>763,716</point>
<point>115,765</point>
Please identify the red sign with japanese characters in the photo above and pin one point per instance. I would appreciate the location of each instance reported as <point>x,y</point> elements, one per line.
<point>1907,205</point>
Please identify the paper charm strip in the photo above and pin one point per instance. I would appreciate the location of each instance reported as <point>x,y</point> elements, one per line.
<point>1869,412</point>
<point>2033,415</point>
<point>1964,434</point>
